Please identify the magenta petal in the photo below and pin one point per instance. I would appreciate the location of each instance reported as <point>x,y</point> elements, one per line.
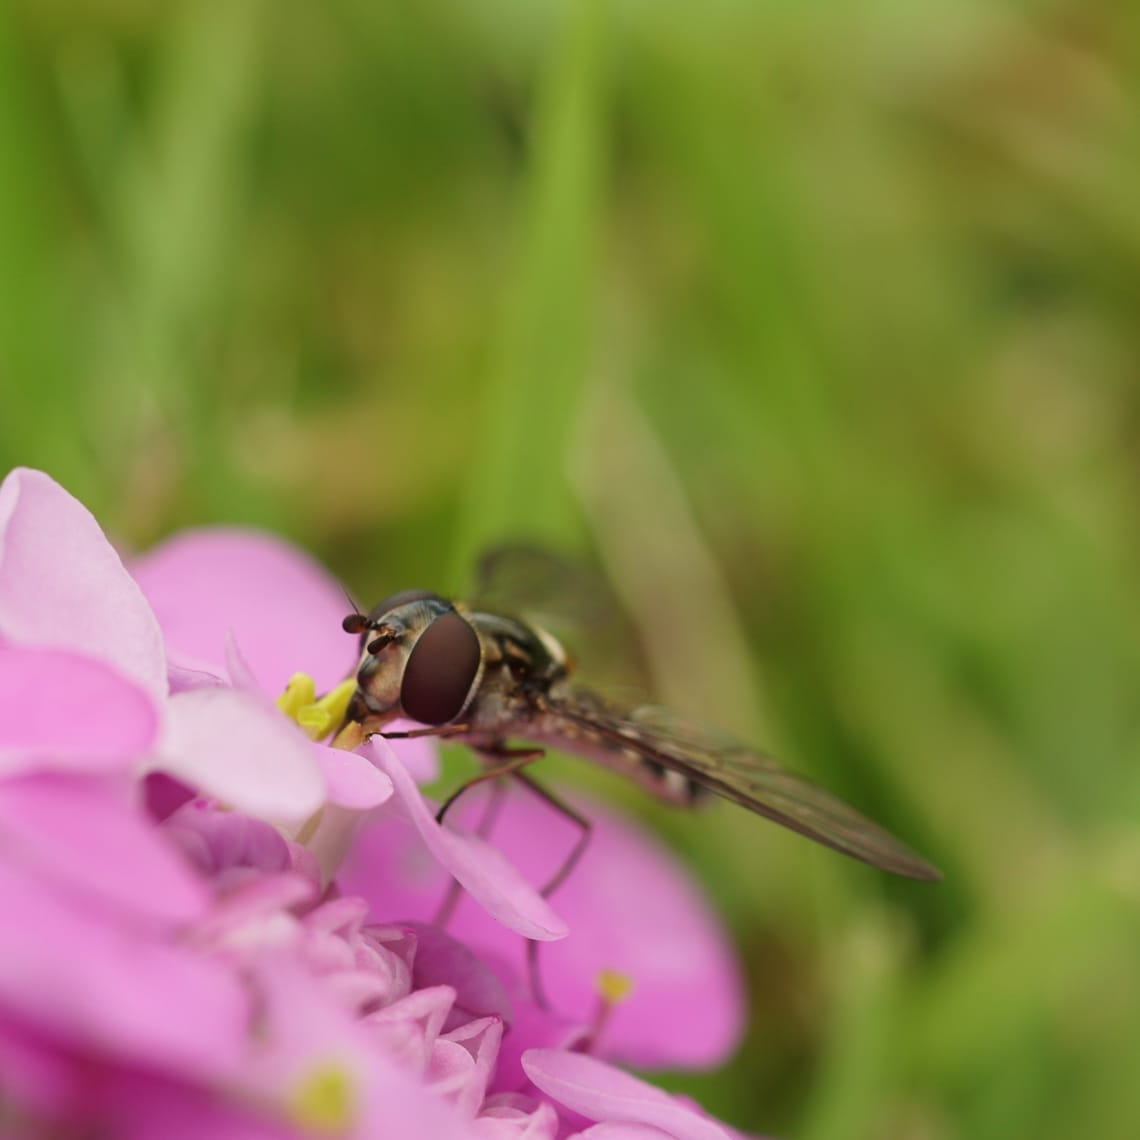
<point>509,1116</point>
<point>282,607</point>
<point>233,746</point>
<point>239,670</point>
<point>478,867</point>
<point>83,835</point>
<point>108,990</point>
<point>532,1028</point>
<point>420,757</point>
<point>37,1077</point>
<point>63,585</point>
<point>623,1131</point>
<point>183,680</point>
<point>163,795</point>
<point>598,1091</point>
<point>136,1107</point>
<point>109,720</point>
<point>217,841</point>
<point>353,782</point>
<point>307,1034</point>
<point>442,960</point>
<point>462,1061</point>
<point>388,865</point>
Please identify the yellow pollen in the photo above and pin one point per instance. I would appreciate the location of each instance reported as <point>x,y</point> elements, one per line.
<point>323,1101</point>
<point>299,691</point>
<point>613,986</point>
<point>316,717</point>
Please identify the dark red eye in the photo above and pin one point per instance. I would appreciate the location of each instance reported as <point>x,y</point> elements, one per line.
<point>440,670</point>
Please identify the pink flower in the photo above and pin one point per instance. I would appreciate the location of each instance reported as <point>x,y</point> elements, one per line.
<point>630,907</point>
<point>63,587</point>
<point>185,951</point>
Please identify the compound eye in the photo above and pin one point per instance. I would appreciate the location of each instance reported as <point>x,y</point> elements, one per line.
<point>440,671</point>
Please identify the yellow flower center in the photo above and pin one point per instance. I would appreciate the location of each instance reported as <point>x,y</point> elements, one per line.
<point>323,1101</point>
<point>613,986</point>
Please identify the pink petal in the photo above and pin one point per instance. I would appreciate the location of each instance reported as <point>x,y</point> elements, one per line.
<point>419,756</point>
<point>134,1106</point>
<point>389,866</point>
<point>425,1009</point>
<point>478,867</point>
<point>163,795</point>
<point>219,841</point>
<point>441,960</point>
<point>84,835</point>
<point>251,919</point>
<point>108,990</point>
<point>600,1092</point>
<point>462,1061</point>
<point>282,607</point>
<point>232,746</point>
<point>182,680</point>
<point>65,711</point>
<point>509,1116</point>
<point>353,782</point>
<point>37,1075</point>
<point>633,909</point>
<point>239,670</point>
<point>611,1131</point>
<point>63,585</point>
<point>532,1028</point>
<point>306,1032</point>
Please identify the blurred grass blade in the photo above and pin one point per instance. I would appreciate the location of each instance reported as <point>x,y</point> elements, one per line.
<point>519,488</point>
<point>661,565</point>
<point>34,336</point>
<point>172,210</point>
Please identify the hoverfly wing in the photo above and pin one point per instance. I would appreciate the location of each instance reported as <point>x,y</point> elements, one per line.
<point>566,597</point>
<point>749,778</point>
<point>541,586</point>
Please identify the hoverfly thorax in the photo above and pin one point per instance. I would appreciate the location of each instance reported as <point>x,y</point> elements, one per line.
<point>420,658</point>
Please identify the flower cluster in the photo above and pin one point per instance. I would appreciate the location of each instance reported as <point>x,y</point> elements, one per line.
<point>216,925</point>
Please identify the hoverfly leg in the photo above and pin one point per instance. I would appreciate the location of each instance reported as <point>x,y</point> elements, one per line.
<point>433,730</point>
<point>584,826</point>
<point>504,762</point>
<point>534,976</point>
<point>485,826</point>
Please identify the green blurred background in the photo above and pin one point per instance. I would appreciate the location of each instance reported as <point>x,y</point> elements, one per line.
<point>817,325</point>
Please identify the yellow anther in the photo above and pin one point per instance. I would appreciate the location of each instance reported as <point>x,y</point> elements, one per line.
<point>317,718</point>
<point>323,1101</point>
<point>299,691</point>
<point>322,716</point>
<point>613,986</point>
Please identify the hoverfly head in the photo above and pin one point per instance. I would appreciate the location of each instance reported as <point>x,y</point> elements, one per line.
<point>419,658</point>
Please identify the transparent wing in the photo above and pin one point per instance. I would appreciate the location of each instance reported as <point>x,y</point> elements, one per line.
<point>747,777</point>
<point>568,598</point>
<point>537,584</point>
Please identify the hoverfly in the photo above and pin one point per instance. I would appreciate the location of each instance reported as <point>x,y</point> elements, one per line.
<point>481,678</point>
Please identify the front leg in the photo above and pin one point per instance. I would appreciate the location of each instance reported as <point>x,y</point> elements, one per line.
<point>433,730</point>
<point>502,761</point>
